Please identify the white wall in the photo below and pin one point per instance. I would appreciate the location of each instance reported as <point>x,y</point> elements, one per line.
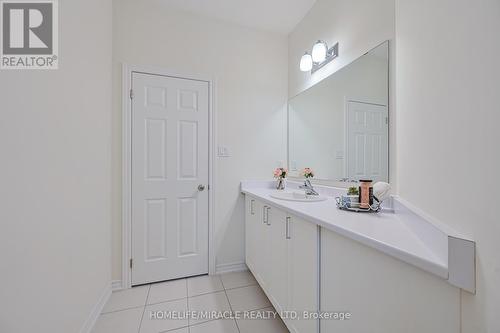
<point>250,68</point>
<point>55,179</point>
<point>358,26</point>
<point>447,130</point>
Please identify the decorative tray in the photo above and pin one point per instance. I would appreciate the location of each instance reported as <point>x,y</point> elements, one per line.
<point>346,205</point>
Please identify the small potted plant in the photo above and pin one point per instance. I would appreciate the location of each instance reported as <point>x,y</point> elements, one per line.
<point>353,195</point>
<point>280,174</point>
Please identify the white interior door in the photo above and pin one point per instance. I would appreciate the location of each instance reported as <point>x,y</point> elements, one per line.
<point>367,141</point>
<point>169,170</point>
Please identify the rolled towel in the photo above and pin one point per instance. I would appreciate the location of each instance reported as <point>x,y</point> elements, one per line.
<point>381,191</point>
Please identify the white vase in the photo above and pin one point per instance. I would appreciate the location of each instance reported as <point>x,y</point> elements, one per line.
<point>281,184</point>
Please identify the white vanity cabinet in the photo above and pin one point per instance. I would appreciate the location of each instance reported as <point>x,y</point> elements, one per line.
<point>282,253</point>
<point>392,272</point>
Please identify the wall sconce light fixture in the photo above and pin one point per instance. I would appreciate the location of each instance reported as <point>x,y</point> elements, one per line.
<point>319,57</point>
<point>306,62</point>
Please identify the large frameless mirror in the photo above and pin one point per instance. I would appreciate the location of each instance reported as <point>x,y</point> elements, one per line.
<point>340,126</point>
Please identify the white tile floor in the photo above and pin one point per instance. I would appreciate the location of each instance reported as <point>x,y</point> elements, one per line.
<point>130,310</point>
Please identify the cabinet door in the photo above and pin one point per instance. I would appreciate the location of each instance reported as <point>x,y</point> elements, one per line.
<point>259,243</point>
<point>303,273</point>
<point>278,253</point>
<point>251,220</point>
<point>383,294</point>
<point>264,248</point>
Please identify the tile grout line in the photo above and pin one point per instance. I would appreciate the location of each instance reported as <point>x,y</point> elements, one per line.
<point>206,293</point>
<point>167,301</point>
<point>144,310</point>
<point>245,285</point>
<point>160,302</point>
<point>230,306</point>
<point>187,303</point>
<point>209,293</point>
<point>222,282</point>
<point>270,306</point>
<point>174,329</point>
<point>250,285</point>
<point>120,310</point>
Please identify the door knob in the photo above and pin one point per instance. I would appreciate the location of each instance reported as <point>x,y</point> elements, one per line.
<point>201,187</point>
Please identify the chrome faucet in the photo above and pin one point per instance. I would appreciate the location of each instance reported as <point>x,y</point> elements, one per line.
<point>308,188</point>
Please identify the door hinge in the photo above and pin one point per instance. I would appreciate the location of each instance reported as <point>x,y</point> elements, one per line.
<point>131,94</point>
<point>131,263</point>
<point>387,120</point>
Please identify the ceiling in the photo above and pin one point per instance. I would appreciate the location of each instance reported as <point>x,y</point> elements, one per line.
<point>279,16</point>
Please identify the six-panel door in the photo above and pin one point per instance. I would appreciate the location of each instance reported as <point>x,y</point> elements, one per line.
<point>169,163</point>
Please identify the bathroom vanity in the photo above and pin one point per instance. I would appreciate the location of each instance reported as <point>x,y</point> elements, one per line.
<point>393,271</point>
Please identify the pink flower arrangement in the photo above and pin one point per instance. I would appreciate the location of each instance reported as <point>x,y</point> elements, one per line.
<point>280,173</point>
<point>308,173</point>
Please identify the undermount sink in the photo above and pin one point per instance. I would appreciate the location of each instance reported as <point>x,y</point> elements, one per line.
<point>296,196</point>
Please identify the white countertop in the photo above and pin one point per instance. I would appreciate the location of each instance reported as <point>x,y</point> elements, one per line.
<point>425,247</point>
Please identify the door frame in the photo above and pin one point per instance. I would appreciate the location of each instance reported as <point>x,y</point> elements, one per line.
<point>126,222</point>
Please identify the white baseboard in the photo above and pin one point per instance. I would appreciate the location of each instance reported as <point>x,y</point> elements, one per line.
<point>231,267</point>
<point>96,311</point>
<point>116,285</point>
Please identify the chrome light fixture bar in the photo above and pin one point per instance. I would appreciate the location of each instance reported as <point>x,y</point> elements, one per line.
<point>331,54</point>
<point>319,57</point>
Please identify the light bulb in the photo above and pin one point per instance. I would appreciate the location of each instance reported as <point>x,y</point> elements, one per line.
<point>319,51</point>
<point>306,62</point>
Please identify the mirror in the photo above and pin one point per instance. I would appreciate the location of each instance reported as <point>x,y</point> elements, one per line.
<point>339,127</point>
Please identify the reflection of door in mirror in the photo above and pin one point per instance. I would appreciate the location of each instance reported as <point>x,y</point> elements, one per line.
<point>367,141</point>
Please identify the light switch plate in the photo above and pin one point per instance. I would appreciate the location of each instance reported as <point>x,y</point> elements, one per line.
<point>223,151</point>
